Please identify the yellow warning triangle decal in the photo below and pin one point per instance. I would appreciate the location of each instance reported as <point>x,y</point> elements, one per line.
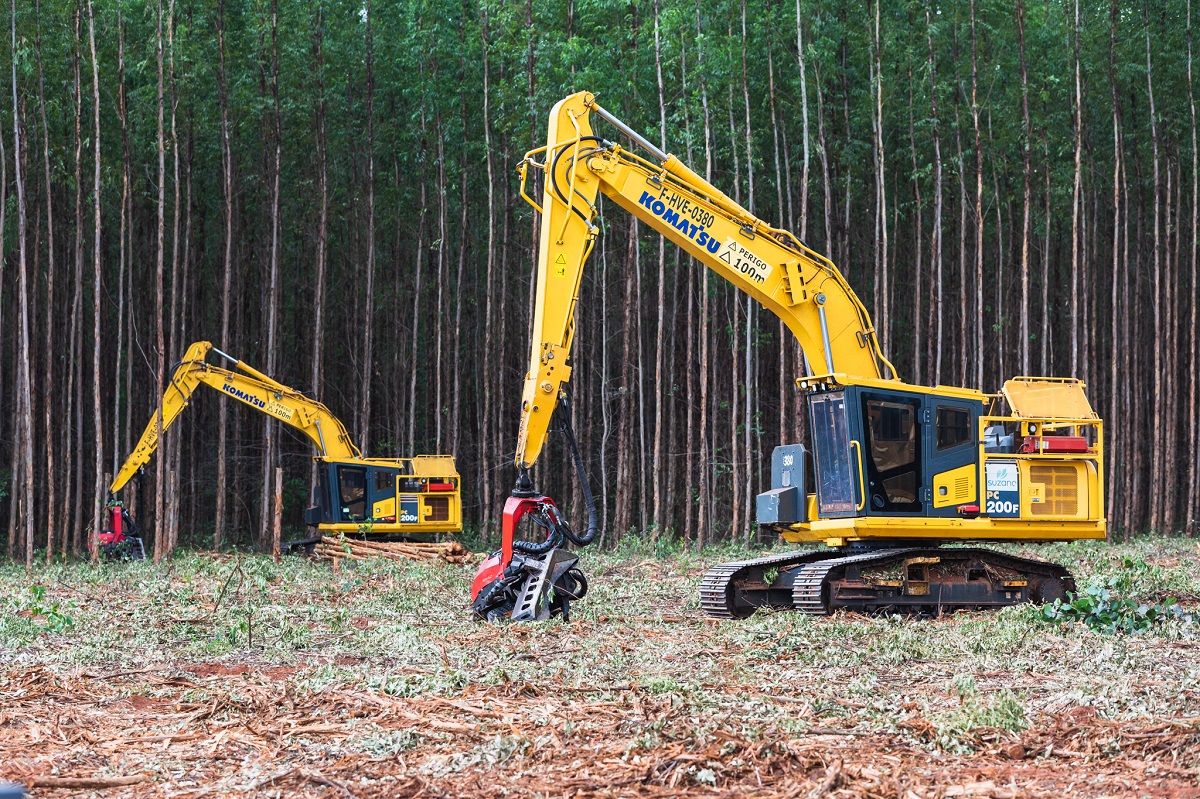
<point>561,259</point>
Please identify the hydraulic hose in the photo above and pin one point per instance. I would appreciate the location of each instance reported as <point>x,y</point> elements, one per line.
<point>588,499</point>
<point>553,538</point>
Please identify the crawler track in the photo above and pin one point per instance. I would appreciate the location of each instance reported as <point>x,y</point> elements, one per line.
<point>921,580</point>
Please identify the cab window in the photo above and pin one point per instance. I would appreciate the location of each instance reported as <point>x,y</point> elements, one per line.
<point>385,483</point>
<point>953,427</point>
<point>352,493</point>
<point>893,466</point>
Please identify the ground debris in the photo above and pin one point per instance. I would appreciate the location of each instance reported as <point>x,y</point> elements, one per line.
<point>391,692</point>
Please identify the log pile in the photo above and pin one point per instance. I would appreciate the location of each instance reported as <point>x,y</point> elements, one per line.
<point>337,548</point>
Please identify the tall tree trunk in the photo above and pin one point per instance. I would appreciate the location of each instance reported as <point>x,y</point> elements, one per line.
<point>978,207</point>
<point>439,329</point>
<point>270,446</point>
<point>1195,297</point>
<point>704,516</point>
<point>416,318</point>
<point>935,242</point>
<point>125,247</point>
<point>171,447</point>
<point>51,500</point>
<point>318,350</point>
<point>97,273</point>
<point>1116,438</point>
<point>75,387</point>
<point>1076,200</point>
<point>690,471</point>
<point>1023,313</point>
<point>489,367</point>
<point>1046,264</point>
<point>785,340</point>
<point>882,309</point>
<point>656,516</point>
<point>161,359</point>
<point>227,270</point>
<point>12,527</point>
<point>22,476</point>
<point>1156,472</point>
<point>368,357</point>
<point>750,373</point>
<point>918,241</point>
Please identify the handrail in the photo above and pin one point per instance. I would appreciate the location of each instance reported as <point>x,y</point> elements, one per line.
<point>862,482</point>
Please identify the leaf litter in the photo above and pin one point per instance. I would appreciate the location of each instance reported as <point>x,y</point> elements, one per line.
<point>227,676</point>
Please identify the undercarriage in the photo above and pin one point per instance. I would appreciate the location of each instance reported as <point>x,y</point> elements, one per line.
<point>919,580</point>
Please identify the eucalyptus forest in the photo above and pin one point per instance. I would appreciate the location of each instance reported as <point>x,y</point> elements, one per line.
<point>328,191</point>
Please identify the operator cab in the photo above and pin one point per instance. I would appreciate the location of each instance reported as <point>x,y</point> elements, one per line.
<point>893,453</point>
<point>366,496</point>
<point>884,452</point>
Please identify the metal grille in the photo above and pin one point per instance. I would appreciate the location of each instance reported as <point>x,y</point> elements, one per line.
<point>1062,490</point>
<point>439,509</point>
<point>962,490</point>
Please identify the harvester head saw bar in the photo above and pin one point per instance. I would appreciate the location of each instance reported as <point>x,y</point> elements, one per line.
<point>524,581</point>
<point>533,581</point>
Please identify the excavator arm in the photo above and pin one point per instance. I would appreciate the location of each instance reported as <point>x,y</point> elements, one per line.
<point>250,387</point>
<point>800,286</point>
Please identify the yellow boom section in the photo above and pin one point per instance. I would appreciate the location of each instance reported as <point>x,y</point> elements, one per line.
<point>800,286</point>
<point>249,386</point>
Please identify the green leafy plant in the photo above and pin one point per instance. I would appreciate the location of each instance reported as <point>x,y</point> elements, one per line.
<point>1100,607</point>
<point>49,618</point>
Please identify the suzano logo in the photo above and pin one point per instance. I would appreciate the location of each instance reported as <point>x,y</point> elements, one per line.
<point>249,399</point>
<point>1002,477</point>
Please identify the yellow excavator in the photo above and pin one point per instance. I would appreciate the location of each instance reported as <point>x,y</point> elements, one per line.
<point>898,476</point>
<point>376,497</point>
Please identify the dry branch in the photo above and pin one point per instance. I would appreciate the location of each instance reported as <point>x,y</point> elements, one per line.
<point>85,782</point>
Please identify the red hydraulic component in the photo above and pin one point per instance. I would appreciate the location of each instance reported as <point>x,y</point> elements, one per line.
<point>1055,444</point>
<point>120,539</point>
<point>114,534</point>
<point>440,487</point>
<point>515,509</point>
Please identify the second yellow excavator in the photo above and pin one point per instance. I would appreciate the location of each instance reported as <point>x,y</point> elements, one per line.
<point>898,477</point>
<point>378,497</point>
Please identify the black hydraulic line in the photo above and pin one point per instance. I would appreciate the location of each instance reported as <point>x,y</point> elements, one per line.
<point>550,174</point>
<point>589,500</point>
<point>553,540</point>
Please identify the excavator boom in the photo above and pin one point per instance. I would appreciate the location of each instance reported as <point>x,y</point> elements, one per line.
<point>800,286</point>
<point>248,386</point>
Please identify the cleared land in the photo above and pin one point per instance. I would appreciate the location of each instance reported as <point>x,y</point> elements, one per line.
<point>230,675</point>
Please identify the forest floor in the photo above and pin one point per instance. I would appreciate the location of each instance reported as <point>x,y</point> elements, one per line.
<point>233,676</point>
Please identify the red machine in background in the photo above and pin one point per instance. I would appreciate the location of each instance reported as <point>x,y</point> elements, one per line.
<point>122,539</point>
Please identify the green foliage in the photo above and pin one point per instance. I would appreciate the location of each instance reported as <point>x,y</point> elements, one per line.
<point>977,710</point>
<point>1100,607</point>
<point>48,616</point>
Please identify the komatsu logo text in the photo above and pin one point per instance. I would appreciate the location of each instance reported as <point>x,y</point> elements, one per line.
<point>696,222</point>
<point>244,397</point>
<point>675,211</point>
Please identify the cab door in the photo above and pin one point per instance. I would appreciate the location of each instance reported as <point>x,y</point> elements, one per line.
<point>952,454</point>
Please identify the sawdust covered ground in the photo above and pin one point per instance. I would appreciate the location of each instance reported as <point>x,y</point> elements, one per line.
<point>231,676</point>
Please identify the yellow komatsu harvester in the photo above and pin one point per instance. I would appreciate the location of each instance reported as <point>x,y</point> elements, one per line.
<point>377,497</point>
<point>893,472</point>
